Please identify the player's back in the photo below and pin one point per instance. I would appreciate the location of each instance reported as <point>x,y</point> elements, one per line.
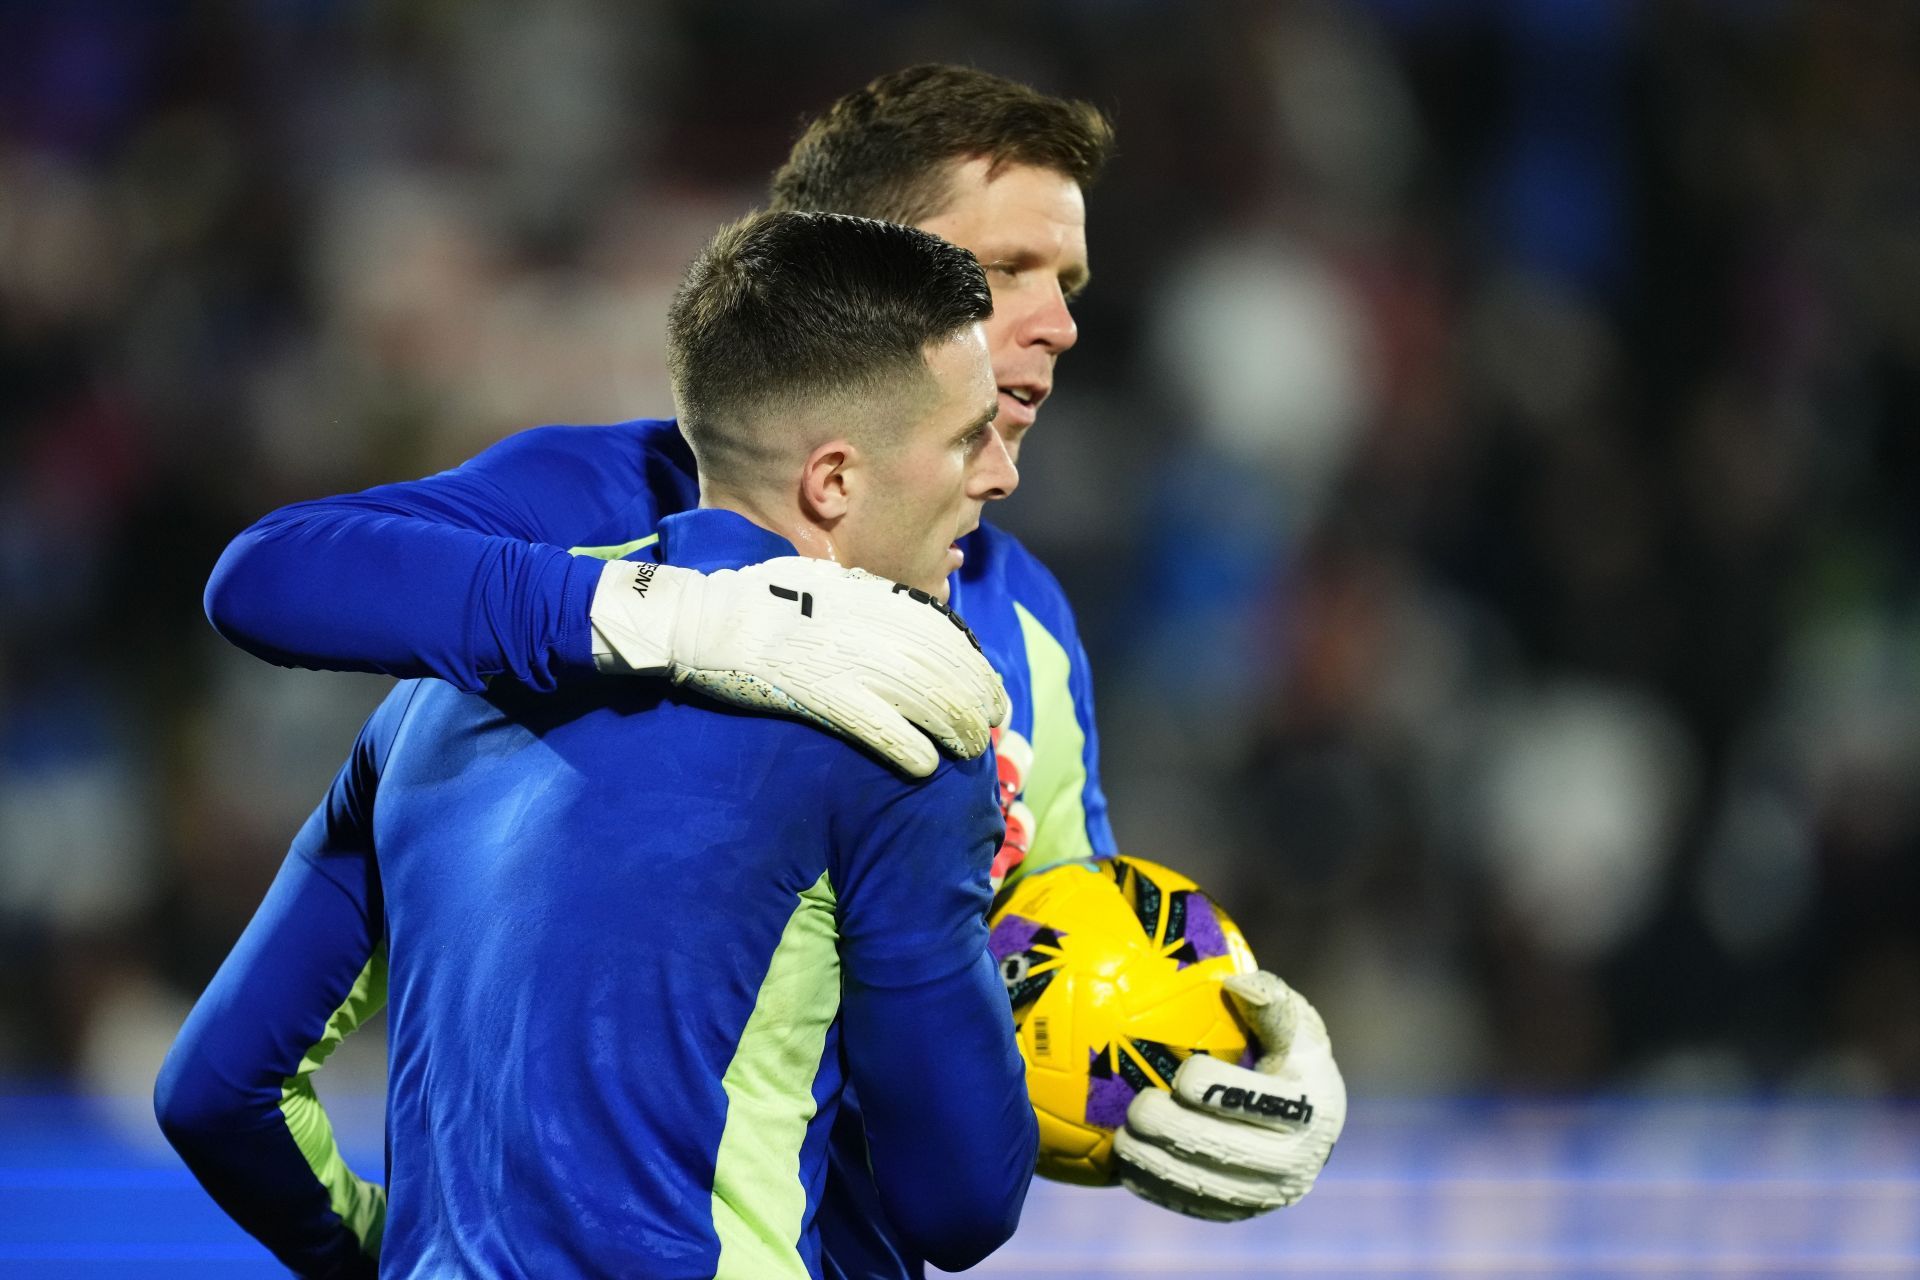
<point>613,980</point>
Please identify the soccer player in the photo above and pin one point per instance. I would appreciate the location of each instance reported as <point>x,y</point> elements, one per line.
<point>468,574</point>
<point>635,941</point>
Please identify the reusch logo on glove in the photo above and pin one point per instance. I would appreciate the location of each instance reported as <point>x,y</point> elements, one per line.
<point>643,576</point>
<point>914,593</point>
<point>1261,1104</point>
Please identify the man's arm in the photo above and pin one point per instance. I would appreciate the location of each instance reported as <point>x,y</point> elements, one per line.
<point>462,575</point>
<point>950,1131</point>
<point>470,574</point>
<point>926,1030</point>
<point>235,1096</point>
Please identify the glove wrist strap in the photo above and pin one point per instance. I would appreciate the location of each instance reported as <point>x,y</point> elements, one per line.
<point>636,606</point>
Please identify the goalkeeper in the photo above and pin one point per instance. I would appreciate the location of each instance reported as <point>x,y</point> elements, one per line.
<point>468,575</point>
<point>636,940</point>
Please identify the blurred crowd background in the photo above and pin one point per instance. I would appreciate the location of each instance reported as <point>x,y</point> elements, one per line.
<point>1489,476</point>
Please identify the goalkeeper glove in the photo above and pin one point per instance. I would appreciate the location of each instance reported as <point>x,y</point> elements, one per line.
<point>856,654</point>
<point>1229,1143</point>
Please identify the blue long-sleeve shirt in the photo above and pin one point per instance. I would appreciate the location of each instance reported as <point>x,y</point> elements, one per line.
<point>635,945</point>
<point>468,574</point>
<point>489,569</point>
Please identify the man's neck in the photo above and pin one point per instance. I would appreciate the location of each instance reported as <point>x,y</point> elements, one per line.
<point>783,518</point>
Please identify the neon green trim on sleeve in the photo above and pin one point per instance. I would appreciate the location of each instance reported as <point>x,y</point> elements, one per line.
<point>362,1205</point>
<point>759,1203</point>
<point>1057,782</point>
<point>616,552</point>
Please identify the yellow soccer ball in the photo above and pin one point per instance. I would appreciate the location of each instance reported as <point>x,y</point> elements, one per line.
<point>1114,969</point>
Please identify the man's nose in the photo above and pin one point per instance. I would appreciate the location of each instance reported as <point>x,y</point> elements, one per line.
<point>997,476</point>
<point>1051,324</point>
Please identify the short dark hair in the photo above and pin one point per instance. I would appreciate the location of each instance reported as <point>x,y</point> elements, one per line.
<point>885,151</point>
<point>783,308</point>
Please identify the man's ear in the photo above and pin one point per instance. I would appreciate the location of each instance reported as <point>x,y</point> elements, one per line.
<point>833,474</point>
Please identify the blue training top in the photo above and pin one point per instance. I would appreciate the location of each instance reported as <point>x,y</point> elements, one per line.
<point>489,569</point>
<point>635,943</point>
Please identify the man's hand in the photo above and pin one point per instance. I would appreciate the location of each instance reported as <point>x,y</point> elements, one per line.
<point>1229,1143</point>
<point>854,653</point>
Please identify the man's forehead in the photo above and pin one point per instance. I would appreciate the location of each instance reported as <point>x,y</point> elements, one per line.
<point>976,186</point>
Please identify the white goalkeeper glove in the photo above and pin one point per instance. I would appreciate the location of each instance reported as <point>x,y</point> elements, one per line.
<point>853,653</point>
<point>1228,1142</point>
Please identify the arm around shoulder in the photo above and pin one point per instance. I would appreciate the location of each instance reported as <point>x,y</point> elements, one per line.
<point>461,575</point>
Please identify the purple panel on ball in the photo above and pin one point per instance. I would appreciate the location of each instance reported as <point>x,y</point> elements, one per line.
<point>1107,1101</point>
<point>1203,929</point>
<point>1013,933</point>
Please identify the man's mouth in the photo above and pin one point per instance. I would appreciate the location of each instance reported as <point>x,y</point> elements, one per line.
<point>1021,403</point>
